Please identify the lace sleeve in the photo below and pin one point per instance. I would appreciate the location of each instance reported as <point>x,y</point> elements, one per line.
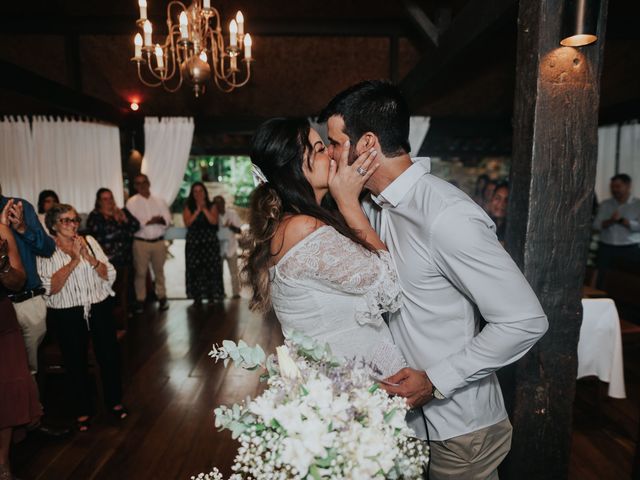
<point>341,264</point>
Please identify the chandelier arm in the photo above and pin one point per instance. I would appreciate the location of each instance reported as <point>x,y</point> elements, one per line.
<point>148,84</point>
<point>227,88</point>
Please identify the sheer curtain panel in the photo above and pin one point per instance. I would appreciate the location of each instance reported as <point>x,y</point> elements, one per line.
<point>18,173</point>
<point>606,166</point>
<point>630,154</point>
<point>418,129</point>
<point>76,158</point>
<point>167,145</point>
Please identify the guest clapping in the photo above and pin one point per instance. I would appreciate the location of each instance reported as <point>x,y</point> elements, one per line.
<point>202,250</point>
<point>229,226</point>
<point>113,228</point>
<point>78,279</point>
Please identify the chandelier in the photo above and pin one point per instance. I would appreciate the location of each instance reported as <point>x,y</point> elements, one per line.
<point>193,49</point>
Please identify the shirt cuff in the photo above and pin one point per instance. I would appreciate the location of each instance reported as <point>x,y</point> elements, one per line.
<point>444,377</point>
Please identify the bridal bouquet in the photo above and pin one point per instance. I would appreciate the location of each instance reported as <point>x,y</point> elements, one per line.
<point>318,418</point>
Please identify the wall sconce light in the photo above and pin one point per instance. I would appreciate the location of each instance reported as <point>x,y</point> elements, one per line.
<point>580,22</point>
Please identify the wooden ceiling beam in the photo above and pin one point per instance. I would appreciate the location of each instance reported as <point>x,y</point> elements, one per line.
<point>26,82</point>
<point>421,20</point>
<point>126,25</point>
<point>467,26</point>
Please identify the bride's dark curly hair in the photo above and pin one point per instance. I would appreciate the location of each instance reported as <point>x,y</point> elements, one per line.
<point>279,147</point>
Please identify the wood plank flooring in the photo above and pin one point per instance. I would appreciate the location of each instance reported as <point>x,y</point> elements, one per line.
<point>172,386</point>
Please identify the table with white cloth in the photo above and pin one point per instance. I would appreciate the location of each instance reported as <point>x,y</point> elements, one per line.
<point>600,345</point>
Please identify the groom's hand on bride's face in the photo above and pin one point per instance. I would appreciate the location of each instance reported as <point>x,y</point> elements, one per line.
<point>412,384</point>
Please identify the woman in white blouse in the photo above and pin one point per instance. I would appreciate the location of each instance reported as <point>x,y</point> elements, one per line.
<point>78,279</point>
<point>325,272</point>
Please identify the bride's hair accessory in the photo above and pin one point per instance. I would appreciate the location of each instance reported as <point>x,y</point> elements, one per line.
<point>258,176</point>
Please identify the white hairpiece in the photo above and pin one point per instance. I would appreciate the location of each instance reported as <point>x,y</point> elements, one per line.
<point>258,176</point>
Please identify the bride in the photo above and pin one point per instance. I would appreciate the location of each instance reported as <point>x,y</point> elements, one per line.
<point>326,273</point>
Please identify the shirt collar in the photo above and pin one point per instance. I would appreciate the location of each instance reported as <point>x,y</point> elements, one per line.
<point>396,190</point>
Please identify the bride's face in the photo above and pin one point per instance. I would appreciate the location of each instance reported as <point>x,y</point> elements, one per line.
<point>315,165</point>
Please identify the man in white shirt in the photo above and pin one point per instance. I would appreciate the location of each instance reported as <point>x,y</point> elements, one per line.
<point>449,263</point>
<point>618,221</point>
<point>148,242</point>
<point>229,224</point>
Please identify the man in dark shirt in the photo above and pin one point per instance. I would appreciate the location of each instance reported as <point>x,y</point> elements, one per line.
<point>32,241</point>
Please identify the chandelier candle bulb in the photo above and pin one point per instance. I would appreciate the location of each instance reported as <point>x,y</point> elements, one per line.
<point>206,4</point>
<point>184,29</point>
<point>233,34</point>
<point>147,33</point>
<point>159,57</point>
<point>137,41</point>
<point>247,46</point>
<point>240,21</point>
<point>143,9</point>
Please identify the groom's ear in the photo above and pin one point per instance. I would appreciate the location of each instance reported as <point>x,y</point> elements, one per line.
<point>367,141</point>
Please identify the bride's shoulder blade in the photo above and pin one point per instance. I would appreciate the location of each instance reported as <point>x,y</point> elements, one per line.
<point>291,231</point>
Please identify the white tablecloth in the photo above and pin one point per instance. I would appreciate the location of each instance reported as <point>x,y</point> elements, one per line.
<point>600,345</point>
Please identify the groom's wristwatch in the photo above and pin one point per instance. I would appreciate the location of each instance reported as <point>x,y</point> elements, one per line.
<point>435,393</point>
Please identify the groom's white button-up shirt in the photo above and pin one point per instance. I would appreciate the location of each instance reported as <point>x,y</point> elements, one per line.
<point>449,261</point>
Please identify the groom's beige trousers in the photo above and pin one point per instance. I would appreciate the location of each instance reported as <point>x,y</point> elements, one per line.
<point>474,456</point>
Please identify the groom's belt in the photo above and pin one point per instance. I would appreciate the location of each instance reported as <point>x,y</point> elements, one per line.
<point>149,240</point>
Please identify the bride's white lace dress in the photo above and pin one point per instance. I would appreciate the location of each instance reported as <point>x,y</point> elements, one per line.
<point>335,291</point>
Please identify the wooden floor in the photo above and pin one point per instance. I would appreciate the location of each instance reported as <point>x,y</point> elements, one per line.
<point>172,386</point>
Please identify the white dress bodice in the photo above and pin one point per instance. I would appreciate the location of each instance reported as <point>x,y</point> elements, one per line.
<point>332,289</point>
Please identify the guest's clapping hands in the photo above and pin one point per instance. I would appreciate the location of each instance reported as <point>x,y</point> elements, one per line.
<point>412,384</point>
<point>13,216</point>
<point>77,247</point>
<point>347,181</point>
<point>157,220</point>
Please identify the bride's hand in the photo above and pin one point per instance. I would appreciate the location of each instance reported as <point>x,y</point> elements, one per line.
<point>345,181</point>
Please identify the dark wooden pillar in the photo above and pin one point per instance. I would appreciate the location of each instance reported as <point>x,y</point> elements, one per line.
<point>552,176</point>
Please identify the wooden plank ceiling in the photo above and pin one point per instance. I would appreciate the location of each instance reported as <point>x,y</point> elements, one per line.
<point>454,59</point>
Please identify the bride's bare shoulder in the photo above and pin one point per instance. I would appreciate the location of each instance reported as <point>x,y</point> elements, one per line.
<point>291,231</point>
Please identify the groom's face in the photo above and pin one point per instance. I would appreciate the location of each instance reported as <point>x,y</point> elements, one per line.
<point>337,139</point>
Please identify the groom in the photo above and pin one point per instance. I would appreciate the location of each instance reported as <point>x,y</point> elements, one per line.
<point>450,264</point>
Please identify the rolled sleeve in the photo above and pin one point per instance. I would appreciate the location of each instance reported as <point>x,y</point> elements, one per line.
<point>466,251</point>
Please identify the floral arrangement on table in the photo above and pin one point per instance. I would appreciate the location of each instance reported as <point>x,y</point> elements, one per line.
<point>319,418</point>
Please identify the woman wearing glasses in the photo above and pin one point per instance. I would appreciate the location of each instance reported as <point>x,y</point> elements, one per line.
<point>78,279</point>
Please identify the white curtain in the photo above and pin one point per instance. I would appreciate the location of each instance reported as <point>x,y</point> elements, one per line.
<point>630,154</point>
<point>167,143</point>
<point>606,166</point>
<point>418,129</point>
<point>76,158</point>
<point>72,157</point>
<point>18,175</point>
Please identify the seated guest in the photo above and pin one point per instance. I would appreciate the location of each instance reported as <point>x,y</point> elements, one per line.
<point>202,249</point>
<point>46,200</point>
<point>497,209</point>
<point>618,221</point>
<point>18,394</point>
<point>148,242</point>
<point>113,228</point>
<point>78,279</point>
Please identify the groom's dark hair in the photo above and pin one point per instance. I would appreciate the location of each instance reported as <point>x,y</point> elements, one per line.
<point>373,106</point>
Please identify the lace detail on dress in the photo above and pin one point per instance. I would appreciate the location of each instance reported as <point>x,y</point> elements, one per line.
<point>334,260</point>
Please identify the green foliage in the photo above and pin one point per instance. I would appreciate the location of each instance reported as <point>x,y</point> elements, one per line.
<point>232,170</point>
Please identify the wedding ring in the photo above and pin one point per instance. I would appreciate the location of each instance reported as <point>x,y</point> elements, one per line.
<point>361,171</point>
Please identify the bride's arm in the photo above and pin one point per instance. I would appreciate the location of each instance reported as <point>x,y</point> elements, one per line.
<point>346,184</point>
